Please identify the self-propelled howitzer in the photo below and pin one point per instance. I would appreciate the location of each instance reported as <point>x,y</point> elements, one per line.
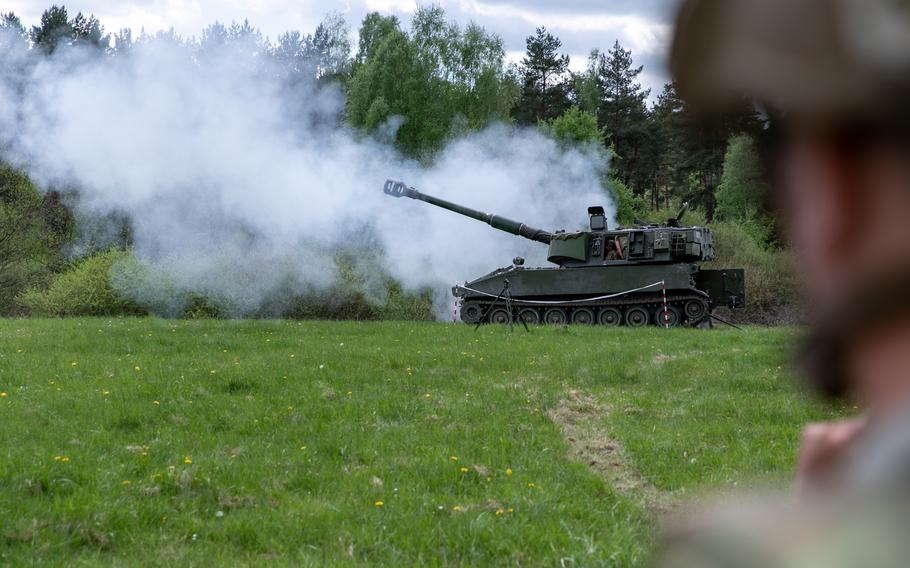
<point>627,276</point>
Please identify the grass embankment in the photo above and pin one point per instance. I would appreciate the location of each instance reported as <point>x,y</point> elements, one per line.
<point>143,441</point>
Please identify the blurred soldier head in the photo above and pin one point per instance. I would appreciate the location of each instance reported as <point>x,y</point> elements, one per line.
<point>832,77</point>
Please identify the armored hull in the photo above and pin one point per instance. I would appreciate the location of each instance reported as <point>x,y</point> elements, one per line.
<point>669,294</point>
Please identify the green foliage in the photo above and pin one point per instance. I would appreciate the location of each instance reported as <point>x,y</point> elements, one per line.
<point>629,207</point>
<point>575,127</point>
<point>83,290</point>
<point>440,79</point>
<point>611,89</point>
<point>56,28</point>
<point>33,228</point>
<point>772,296</point>
<point>743,189</point>
<point>276,439</point>
<point>742,185</point>
<point>545,80</point>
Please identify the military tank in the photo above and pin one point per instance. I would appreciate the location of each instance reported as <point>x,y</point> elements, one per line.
<point>635,276</point>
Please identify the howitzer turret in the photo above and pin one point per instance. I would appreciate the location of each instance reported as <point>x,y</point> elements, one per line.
<point>610,277</point>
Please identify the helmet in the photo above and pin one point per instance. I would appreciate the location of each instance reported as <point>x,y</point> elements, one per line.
<point>819,59</point>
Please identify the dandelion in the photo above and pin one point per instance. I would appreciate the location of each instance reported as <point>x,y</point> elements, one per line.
<point>187,460</point>
<point>18,351</point>
<point>457,508</point>
<point>212,372</point>
<point>3,394</point>
<point>302,448</point>
<point>73,364</point>
<point>454,458</point>
<point>125,482</point>
<point>64,459</point>
<point>510,510</point>
<point>350,393</point>
<point>378,504</point>
<point>508,471</point>
<point>499,512</point>
<point>156,402</point>
<point>530,486</point>
<point>137,368</point>
<point>428,395</point>
<point>464,470</point>
<point>105,392</point>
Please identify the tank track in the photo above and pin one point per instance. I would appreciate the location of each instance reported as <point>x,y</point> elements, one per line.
<point>686,309</point>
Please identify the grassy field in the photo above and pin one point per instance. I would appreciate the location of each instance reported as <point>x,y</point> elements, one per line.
<point>146,441</point>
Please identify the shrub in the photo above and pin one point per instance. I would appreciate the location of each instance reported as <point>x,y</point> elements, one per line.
<point>771,289</point>
<point>83,290</point>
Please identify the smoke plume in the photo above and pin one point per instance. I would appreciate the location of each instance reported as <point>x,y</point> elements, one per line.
<point>239,182</point>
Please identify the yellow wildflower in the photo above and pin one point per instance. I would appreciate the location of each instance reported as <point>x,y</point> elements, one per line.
<point>64,459</point>
<point>73,364</point>
<point>378,504</point>
<point>454,458</point>
<point>508,471</point>
<point>156,403</point>
<point>3,394</point>
<point>531,485</point>
<point>187,460</point>
<point>137,368</point>
<point>457,508</point>
<point>499,512</point>
<point>125,482</point>
<point>464,470</point>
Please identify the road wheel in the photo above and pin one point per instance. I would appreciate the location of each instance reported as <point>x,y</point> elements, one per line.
<point>637,316</point>
<point>695,310</point>
<point>471,312</point>
<point>610,317</point>
<point>500,316</point>
<point>671,317</point>
<point>530,316</point>
<point>555,316</point>
<point>583,316</point>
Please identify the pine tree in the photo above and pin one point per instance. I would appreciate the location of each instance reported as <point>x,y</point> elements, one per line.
<point>611,83</point>
<point>545,79</point>
<point>55,27</point>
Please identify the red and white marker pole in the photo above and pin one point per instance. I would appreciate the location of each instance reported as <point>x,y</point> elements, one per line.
<point>663,291</point>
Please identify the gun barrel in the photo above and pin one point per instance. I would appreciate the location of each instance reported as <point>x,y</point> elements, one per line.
<point>400,189</point>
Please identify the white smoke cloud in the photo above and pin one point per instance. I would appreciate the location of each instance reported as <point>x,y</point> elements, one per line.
<point>238,184</point>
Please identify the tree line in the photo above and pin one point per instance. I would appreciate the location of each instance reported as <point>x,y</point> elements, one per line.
<point>423,85</point>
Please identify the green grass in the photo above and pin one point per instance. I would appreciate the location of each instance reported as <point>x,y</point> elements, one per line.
<point>295,431</point>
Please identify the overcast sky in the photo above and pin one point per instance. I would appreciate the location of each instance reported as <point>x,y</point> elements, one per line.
<point>641,25</point>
